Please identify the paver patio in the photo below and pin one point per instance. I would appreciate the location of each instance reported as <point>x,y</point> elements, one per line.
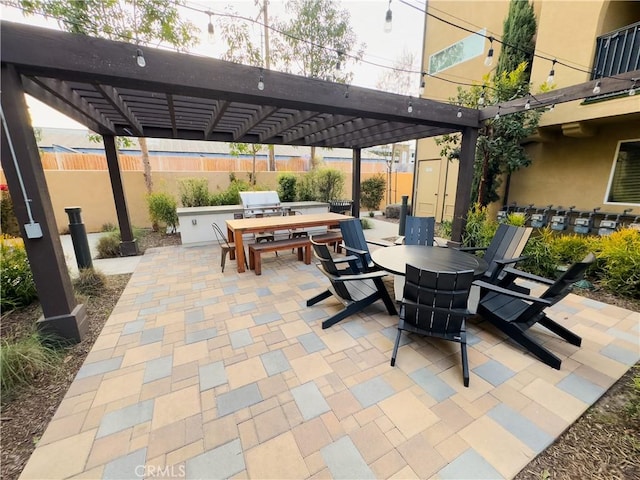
<point>200,374</point>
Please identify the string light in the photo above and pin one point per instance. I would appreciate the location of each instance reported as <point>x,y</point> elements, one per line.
<point>552,107</point>
<point>140,58</point>
<point>388,19</point>
<point>410,107</point>
<point>210,28</point>
<point>346,92</point>
<point>481,99</point>
<point>552,72</point>
<point>261,80</point>
<point>422,84</point>
<point>527,105</point>
<point>596,88</point>
<point>632,90</point>
<point>497,117</point>
<point>489,60</point>
<point>459,114</point>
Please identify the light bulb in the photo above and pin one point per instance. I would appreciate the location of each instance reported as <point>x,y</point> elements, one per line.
<point>596,88</point>
<point>388,20</point>
<point>489,60</point>
<point>481,99</point>
<point>632,90</point>
<point>552,107</point>
<point>422,85</point>
<point>210,35</point>
<point>261,83</point>
<point>552,73</point>
<point>527,105</point>
<point>497,117</point>
<point>459,114</point>
<point>410,107</point>
<point>140,59</point>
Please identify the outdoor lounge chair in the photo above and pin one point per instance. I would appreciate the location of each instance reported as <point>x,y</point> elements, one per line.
<point>435,304</point>
<point>225,245</point>
<point>419,230</point>
<point>356,290</point>
<point>514,312</point>
<point>505,249</point>
<point>355,243</point>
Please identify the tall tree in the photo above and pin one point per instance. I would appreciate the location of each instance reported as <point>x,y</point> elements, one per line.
<point>403,78</point>
<point>518,34</point>
<point>499,148</point>
<point>140,21</point>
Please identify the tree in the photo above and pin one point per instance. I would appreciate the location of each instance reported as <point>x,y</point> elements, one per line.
<point>237,149</point>
<point>142,21</point>
<point>403,78</point>
<point>499,148</point>
<point>518,31</point>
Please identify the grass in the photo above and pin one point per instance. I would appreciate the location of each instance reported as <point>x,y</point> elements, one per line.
<point>23,359</point>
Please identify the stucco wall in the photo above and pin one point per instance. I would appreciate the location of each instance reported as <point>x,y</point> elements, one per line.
<point>91,191</point>
<point>573,171</point>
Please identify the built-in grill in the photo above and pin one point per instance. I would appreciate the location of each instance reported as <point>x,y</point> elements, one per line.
<point>261,204</point>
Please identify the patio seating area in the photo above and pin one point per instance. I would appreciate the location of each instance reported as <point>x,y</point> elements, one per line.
<point>204,374</point>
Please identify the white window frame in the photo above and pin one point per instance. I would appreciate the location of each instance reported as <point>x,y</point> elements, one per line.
<point>612,172</point>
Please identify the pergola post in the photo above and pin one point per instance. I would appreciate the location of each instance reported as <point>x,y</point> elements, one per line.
<point>128,244</point>
<point>465,179</point>
<point>22,167</point>
<point>355,181</point>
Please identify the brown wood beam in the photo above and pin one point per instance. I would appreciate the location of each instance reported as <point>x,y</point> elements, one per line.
<point>172,115</point>
<point>22,166</point>
<point>128,244</point>
<point>255,119</point>
<point>294,120</point>
<point>620,83</point>
<point>465,179</point>
<point>113,97</point>
<point>216,116</point>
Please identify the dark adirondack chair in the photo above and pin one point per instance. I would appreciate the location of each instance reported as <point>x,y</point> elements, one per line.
<point>514,312</point>
<point>225,245</point>
<point>505,248</point>
<point>419,230</point>
<point>356,290</point>
<point>355,243</point>
<point>435,304</point>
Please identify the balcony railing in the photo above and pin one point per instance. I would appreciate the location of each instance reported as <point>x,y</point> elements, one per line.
<point>617,52</point>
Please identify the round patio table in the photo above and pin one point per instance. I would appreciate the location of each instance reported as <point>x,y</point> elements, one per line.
<point>395,259</point>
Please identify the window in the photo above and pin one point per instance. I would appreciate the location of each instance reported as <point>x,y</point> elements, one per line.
<point>459,52</point>
<point>624,182</point>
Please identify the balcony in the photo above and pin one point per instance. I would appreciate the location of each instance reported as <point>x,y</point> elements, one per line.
<point>617,52</point>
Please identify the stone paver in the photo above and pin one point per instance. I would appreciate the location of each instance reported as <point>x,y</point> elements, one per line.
<point>204,374</point>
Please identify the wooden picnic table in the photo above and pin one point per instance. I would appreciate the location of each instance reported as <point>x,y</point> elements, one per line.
<point>238,227</point>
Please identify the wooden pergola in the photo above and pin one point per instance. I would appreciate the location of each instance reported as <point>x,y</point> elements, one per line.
<point>100,84</point>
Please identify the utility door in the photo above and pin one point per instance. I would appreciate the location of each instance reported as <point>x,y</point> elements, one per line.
<point>448,196</point>
<point>427,188</point>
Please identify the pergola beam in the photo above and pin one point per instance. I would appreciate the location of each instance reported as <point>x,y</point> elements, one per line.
<point>114,98</point>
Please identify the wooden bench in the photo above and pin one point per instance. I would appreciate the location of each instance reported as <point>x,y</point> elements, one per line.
<point>333,238</point>
<point>256,249</point>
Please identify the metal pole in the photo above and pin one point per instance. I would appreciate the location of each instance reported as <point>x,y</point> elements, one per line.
<point>403,214</point>
<point>79,238</point>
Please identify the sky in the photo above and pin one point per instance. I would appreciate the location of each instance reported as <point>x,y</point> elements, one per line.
<point>367,21</point>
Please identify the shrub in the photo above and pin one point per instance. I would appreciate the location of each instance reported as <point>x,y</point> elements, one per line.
<point>8,222</point>
<point>24,359</point>
<point>194,192</point>
<point>516,219</point>
<point>366,224</point>
<point>89,282</point>
<point>329,184</point>
<point>372,191</point>
<point>163,209</point>
<point>16,280</point>
<point>109,227</point>
<point>479,229</point>
<point>287,187</point>
<point>230,196</point>
<point>568,249</point>
<point>109,245</point>
<point>633,404</point>
<point>444,229</point>
<point>619,262</point>
<point>541,259</point>
<point>306,189</point>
